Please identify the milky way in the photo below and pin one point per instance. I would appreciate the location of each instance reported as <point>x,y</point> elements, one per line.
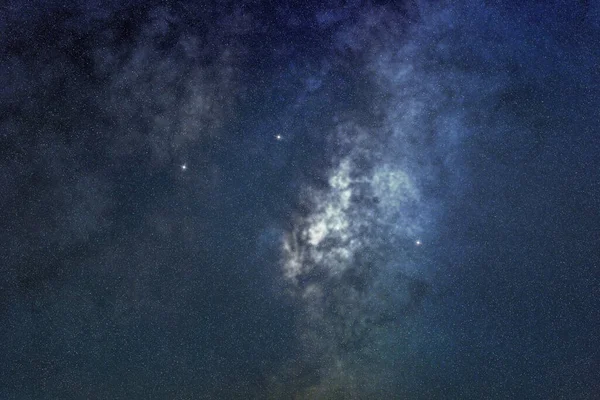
<point>353,200</point>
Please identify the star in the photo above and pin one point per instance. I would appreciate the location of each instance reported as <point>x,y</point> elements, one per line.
<point>183,167</point>
<point>418,242</point>
<point>278,137</point>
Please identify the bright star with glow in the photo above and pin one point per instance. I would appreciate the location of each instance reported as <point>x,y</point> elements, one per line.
<point>278,137</point>
<point>183,167</point>
<point>418,242</point>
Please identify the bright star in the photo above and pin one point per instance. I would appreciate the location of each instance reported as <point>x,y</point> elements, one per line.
<point>183,167</point>
<point>278,137</point>
<point>418,242</point>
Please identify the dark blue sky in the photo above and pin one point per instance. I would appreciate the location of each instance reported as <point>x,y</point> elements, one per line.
<point>308,200</point>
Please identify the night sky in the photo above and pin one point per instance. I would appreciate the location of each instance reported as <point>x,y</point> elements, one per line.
<point>299,200</point>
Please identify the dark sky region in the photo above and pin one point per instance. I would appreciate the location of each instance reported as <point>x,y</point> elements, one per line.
<point>299,200</point>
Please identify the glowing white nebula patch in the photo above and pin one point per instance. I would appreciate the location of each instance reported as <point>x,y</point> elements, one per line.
<point>329,237</point>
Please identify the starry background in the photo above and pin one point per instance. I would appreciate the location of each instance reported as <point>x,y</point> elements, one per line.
<point>310,200</point>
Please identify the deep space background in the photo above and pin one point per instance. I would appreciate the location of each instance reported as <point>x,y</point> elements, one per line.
<point>299,200</point>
